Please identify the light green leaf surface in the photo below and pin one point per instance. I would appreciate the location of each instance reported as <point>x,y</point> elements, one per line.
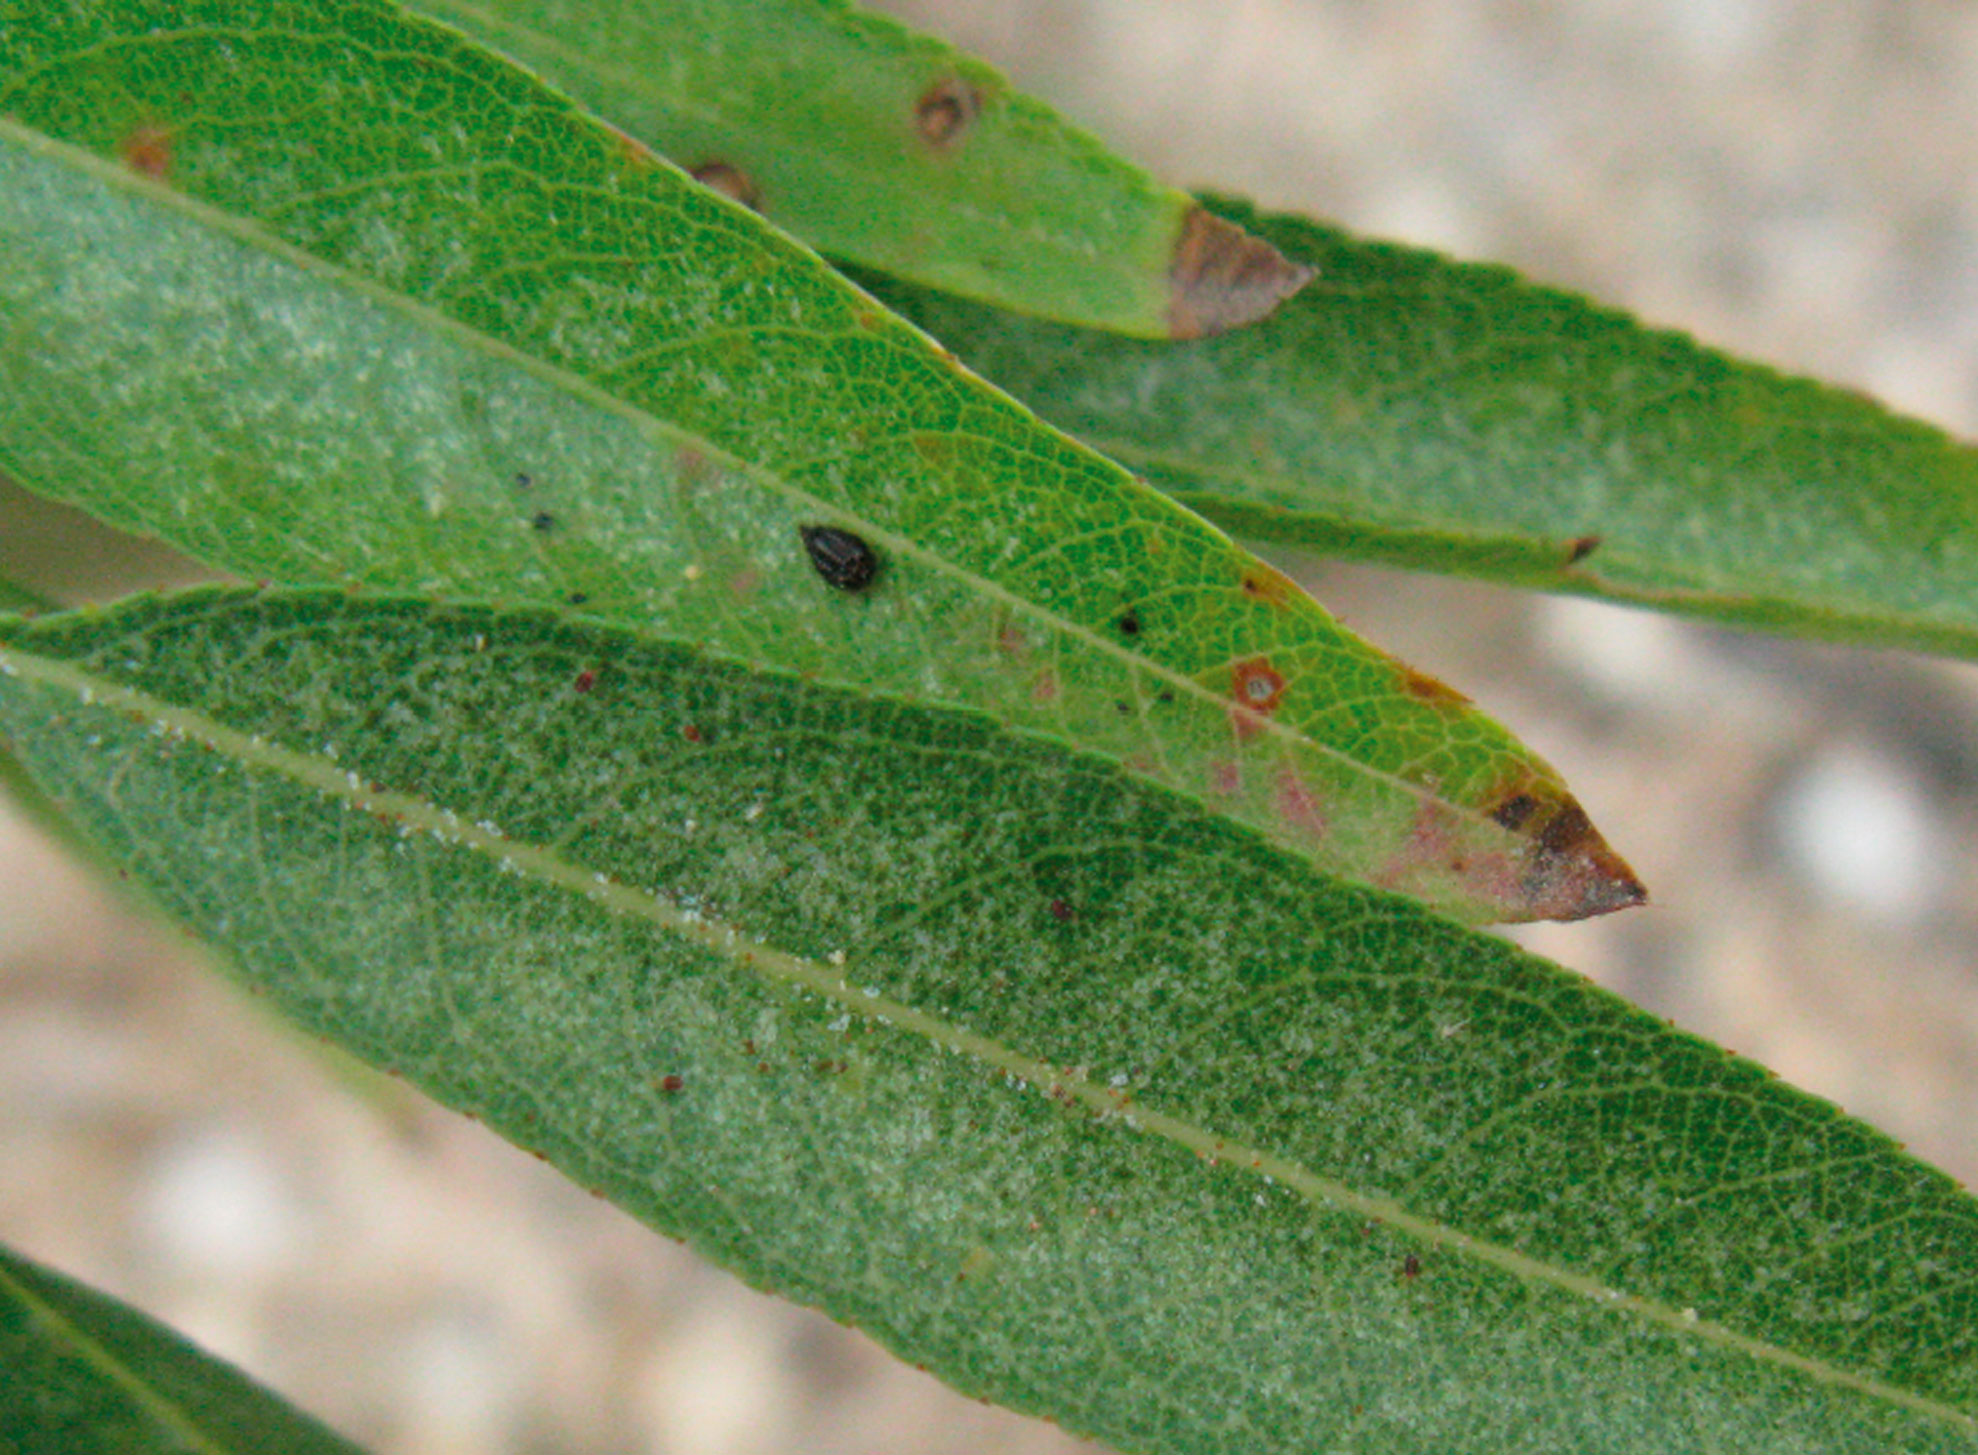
<point>333,297</point>
<point>1451,417</point>
<point>893,149</point>
<point>1093,1103</point>
<point>81,1373</point>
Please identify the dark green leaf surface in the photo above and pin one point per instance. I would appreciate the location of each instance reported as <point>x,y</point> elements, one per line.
<point>334,297</point>
<point>1095,1104</point>
<point>1451,417</point>
<point>893,149</point>
<point>81,1373</point>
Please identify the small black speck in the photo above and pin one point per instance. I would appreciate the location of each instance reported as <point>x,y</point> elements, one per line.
<point>543,522</point>
<point>522,481</point>
<point>578,598</point>
<point>841,558</point>
<point>1164,695</point>
<point>1123,708</point>
<point>1129,624</point>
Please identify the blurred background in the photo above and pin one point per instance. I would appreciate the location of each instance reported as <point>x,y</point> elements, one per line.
<point>1796,182</point>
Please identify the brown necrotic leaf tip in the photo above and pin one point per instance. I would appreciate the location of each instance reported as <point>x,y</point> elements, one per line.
<point>1222,278</point>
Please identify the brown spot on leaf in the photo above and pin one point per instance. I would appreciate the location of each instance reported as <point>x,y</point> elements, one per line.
<point>1258,688</point>
<point>1226,776</point>
<point>671,1084</point>
<point>1580,547</point>
<point>1270,586</point>
<point>586,680</point>
<point>730,181</point>
<point>945,112</point>
<point>1222,278</point>
<point>1424,688</point>
<point>147,150</point>
<point>1566,871</point>
<point>1044,686</point>
<point>1513,812</point>
<point>1061,911</point>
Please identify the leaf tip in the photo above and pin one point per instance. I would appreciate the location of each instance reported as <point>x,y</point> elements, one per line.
<point>1570,872</point>
<point>1221,277</point>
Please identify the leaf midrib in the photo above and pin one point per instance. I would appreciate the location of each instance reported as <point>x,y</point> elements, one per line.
<point>172,1414</point>
<point>831,981</point>
<point>244,230</point>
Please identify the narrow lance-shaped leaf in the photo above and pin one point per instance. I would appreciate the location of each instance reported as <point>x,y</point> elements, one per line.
<point>1449,416</point>
<point>1092,1102</point>
<point>334,296</point>
<point>890,148</point>
<point>81,1373</point>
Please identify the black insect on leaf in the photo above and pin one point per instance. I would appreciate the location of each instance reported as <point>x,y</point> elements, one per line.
<point>841,558</point>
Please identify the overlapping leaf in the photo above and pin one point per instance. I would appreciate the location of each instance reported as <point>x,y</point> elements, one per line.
<point>1095,1104</point>
<point>890,148</point>
<point>321,293</point>
<point>81,1373</point>
<point>1448,416</point>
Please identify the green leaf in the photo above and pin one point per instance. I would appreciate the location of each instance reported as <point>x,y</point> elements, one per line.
<point>893,149</point>
<point>1092,1102</point>
<point>80,1372</point>
<point>1450,417</point>
<point>334,297</point>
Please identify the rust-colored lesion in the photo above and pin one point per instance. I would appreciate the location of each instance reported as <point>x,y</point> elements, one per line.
<point>1432,690</point>
<point>730,181</point>
<point>1221,277</point>
<point>946,112</point>
<point>1580,547</point>
<point>147,150</point>
<point>1256,691</point>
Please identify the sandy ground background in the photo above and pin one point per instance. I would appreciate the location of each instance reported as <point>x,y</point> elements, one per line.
<point>1798,182</point>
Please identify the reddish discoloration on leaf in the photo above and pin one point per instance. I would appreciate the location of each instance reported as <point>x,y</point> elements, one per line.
<point>1226,777</point>
<point>1044,686</point>
<point>945,113</point>
<point>744,581</point>
<point>1061,911</point>
<point>586,680</point>
<point>1222,278</point>
<point>1011,639</point>
<point>633,154</point>
<point>692,734</point>
<point>671,1084</point>
<point>1565,870</point>
<point>1297,805</point>
<point>147,150</point>
<point>731,182</point>
<point>693,466</point>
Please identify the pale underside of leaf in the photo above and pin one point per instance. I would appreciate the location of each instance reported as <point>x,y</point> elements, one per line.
<point>1096,1106</point>
<point>644,438</point>
<point>891,149</point>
